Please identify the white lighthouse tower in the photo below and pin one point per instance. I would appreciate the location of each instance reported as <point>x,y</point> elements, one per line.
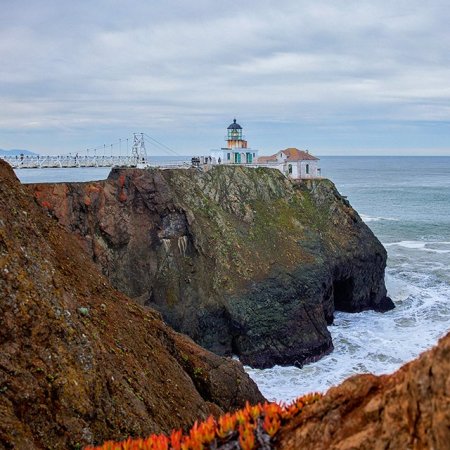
<point>237,150</point>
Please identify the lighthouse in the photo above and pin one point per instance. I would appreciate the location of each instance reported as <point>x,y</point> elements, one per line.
<point>237,150</point>
<point>234,136</point>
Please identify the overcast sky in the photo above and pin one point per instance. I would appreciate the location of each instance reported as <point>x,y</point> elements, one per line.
<point>334,77</point>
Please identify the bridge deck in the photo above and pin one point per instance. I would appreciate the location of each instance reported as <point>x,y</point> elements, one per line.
<point>42,162</point>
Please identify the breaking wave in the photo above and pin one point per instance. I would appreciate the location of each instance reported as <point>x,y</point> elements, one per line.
<point>368,219</point>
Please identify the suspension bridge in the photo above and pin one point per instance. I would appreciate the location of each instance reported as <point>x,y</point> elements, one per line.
<point>117,154</point>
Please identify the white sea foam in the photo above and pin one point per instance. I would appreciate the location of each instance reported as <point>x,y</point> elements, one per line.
<point>367,218</point>
<point>423,245</point>
<point>407,244</point>
<point>367,342</point>
<point>435,250</point>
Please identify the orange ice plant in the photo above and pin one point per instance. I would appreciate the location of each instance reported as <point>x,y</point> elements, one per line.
<point>246,427</point>
<point>247,436</point>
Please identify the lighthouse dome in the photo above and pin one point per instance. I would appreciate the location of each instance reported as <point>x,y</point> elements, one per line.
<point>234,126</point>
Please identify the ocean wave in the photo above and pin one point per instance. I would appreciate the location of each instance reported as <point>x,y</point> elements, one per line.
<point>427,246</point>
<point>367,219</point>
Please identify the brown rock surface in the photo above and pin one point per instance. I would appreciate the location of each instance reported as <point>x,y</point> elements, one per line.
<point>409,409</point>
<point>242,260</point>
<point>80,362</point>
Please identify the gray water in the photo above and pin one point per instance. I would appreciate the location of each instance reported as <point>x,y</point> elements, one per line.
<point>406,202</point>
<point>62,175</point>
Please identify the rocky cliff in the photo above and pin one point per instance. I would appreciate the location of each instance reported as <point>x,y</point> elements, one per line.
<point>242,260</point>
<point>407,410</point>
<point>80,362</point>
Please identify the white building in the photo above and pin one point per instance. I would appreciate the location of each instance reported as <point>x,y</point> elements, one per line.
<point>292,162</point>
<point>237,151</point>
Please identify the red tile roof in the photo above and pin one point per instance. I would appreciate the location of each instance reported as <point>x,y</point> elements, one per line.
<point>294,154</point>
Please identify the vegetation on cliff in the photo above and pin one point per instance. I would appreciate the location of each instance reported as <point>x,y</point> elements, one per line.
<point>243,260</point>
<point>79,361</point>
<point>249,428</point>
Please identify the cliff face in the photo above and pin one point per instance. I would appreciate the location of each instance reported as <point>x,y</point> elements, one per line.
<point>407,410</point>
<point>240,259</point>
<point>80,362</point>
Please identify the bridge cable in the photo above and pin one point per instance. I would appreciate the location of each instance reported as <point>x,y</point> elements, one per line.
<point>163,146</point>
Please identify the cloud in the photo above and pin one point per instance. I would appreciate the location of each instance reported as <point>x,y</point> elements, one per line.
<point>84,66</point>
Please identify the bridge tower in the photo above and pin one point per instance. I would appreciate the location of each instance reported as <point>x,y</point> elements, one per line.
<point>138,151</point>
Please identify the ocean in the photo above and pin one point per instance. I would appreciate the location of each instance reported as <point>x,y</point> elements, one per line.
<point>406,203</point>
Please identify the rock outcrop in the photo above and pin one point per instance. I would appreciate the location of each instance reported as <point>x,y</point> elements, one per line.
<point>407,410</point>
<point>80,362</point>
<point>242,260</point>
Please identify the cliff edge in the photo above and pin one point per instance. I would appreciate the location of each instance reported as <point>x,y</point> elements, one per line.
<point>242,260</point>
<point>80,362</point>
